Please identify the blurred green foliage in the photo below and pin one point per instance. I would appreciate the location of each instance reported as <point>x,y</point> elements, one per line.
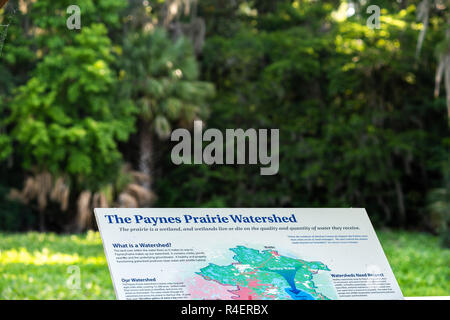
<point>59,93</point>
<point>35,265</point>
<point>66,118</point>
<point>359,126</point>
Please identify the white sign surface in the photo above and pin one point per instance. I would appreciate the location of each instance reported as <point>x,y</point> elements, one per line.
<point>245,254</point>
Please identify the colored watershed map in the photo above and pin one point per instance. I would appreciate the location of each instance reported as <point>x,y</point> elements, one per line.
<point>261,275</point>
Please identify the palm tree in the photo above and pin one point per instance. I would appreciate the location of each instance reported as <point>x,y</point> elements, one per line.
<point>163,80</point>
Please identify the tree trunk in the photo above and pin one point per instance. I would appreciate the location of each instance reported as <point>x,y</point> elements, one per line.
<point>447,67</point>
<point>447,83</point>
<point>146,153</point>
<point>401,203</point>
<point>84,211</point>
<point>424,16</point>
<point>42,227</point>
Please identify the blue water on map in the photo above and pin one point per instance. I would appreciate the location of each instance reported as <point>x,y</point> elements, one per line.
<point>299,294</point>
<point>296,294</point>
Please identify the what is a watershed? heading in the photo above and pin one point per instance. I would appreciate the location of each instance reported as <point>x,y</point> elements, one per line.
<point>231,218</point>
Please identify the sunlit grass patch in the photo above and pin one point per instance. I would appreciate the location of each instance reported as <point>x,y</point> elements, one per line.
<point>36,266</point>
<point>420,264</point>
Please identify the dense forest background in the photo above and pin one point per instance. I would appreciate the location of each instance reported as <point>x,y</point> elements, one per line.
<point>86,115</point>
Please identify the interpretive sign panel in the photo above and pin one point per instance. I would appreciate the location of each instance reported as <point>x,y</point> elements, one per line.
<point>245,254</point>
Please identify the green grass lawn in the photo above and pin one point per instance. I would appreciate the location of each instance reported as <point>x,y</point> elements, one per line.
<point>35,265</point>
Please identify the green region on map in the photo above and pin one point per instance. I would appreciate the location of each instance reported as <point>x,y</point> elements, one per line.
<point>265,274</point>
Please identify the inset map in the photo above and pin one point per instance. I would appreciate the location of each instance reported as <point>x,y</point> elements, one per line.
<point>262,275</point>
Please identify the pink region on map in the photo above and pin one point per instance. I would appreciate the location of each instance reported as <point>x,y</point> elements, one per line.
<point>248,293</point>
<point>200,288</point>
